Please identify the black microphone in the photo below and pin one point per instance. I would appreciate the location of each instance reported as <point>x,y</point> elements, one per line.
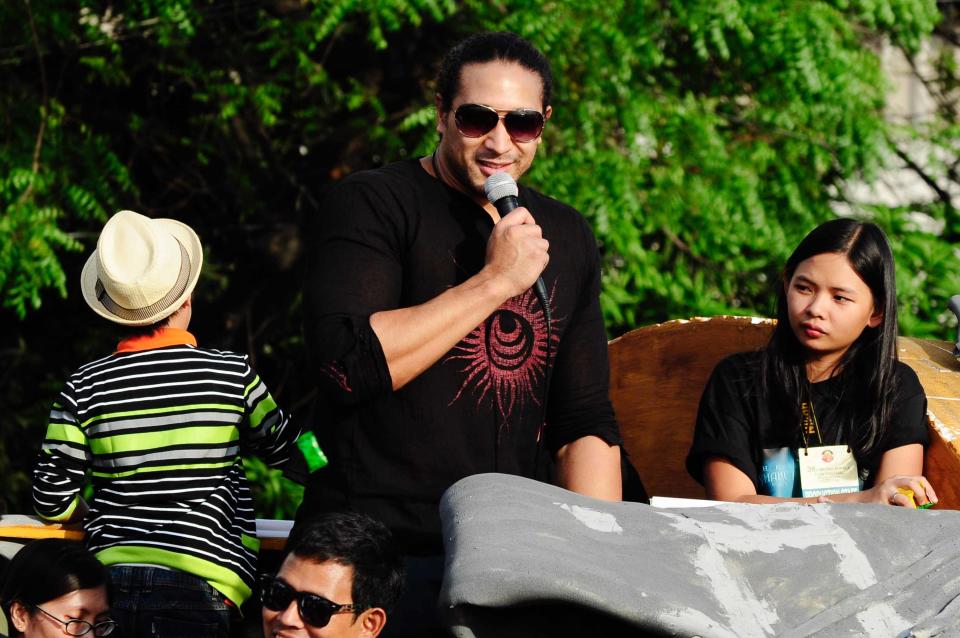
<point>501,191</point>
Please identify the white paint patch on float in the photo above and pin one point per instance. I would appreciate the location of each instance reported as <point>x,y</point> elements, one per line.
<point>813,526</point>
<point>747,615</point>
<point>761,528</point>
<point>594,519</point>
<point>881,620</point>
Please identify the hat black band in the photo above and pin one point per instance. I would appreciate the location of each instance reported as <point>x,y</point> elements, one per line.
<point>140,314</point>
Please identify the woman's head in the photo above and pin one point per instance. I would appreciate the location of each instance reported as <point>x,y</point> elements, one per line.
<point>839,290</point>
<point>837,305</point>
<point>48,583</point>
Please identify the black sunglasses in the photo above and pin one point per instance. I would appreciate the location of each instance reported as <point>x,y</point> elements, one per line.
<point>476,120</point>
<point>314,610</point>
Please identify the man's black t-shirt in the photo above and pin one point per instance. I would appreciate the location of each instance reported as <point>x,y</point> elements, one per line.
<point>396,237</point>
<point>737,422</point>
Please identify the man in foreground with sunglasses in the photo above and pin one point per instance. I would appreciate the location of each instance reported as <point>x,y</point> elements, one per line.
<point>339,579</point>
<point>435,356</point>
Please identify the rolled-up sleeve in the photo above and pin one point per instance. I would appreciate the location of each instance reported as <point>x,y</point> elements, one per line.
<point>354,269</point>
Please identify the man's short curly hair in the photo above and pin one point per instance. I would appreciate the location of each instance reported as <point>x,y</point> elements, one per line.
<point>490,47</point>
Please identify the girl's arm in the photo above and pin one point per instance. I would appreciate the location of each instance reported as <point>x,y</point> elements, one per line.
<point>899,467</point>
<point>906,460</point>
<point>725,482</point>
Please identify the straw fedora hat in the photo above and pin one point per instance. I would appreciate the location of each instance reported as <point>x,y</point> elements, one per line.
<point>142,270</point>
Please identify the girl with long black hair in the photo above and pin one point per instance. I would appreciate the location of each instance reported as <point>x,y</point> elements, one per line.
<point>826,412</point>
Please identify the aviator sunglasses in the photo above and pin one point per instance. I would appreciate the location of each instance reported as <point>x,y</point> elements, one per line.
<point>476,120</point>
<point>314,610</point>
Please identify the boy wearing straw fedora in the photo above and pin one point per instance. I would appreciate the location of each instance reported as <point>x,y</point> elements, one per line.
<point>159,426</point>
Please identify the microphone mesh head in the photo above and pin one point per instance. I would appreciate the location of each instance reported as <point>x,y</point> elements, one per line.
<point>500,185</point>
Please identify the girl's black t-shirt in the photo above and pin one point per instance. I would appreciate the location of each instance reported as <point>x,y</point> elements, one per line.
<point>736,421</point>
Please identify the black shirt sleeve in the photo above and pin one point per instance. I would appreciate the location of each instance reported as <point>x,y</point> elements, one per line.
<point>908,424</point>
<point>353,270</point>
<point>579,388</point>
<point>724,421</point>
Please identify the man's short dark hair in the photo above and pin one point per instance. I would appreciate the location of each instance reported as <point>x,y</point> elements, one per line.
<point>490,47</point>
<point>364,543</point>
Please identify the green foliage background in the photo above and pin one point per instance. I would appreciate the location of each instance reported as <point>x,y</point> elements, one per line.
<point>701,138</point>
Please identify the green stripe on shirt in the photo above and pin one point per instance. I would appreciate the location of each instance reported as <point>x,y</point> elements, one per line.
<point>146,441</point>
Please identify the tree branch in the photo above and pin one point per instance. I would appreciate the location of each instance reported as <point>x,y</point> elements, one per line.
<point>927,179</point>
<point>38,145</point>
<point>934,89</point>
<point>682,246</point>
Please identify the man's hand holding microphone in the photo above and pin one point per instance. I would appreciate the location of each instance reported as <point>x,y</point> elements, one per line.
<point>517,253</point>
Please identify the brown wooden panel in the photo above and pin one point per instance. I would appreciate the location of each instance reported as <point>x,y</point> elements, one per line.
<point>939,373</point>
<point>942,468</point>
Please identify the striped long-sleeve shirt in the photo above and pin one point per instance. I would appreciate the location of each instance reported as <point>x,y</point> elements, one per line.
<point>159,427</point>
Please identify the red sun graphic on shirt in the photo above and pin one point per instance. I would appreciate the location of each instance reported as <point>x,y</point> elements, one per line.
<point>506,354</point>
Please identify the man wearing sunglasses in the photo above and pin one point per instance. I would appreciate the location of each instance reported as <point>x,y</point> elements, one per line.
<point>340,577</point>
<point>435,358</point>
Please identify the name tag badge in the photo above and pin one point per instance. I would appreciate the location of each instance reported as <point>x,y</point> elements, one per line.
<point>828,469</point>
<point>779,475</point>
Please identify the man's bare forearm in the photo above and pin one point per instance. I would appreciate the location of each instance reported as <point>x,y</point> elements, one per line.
<point>414,338</point>
<point>591,466</point>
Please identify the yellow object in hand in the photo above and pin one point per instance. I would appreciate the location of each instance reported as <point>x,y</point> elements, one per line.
<point>906,491</point>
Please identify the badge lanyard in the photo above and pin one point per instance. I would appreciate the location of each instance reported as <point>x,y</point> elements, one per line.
<point>830,469</point>
<point>809,425</point>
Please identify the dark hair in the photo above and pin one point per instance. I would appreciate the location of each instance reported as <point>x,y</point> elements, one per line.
<point>490,47</point>
<point>128,332</point>
<point>867,367</point>
<point>47,569</point>
<point>354,539</point>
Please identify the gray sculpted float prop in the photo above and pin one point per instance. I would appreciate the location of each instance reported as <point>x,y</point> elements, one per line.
<point>529,559</point>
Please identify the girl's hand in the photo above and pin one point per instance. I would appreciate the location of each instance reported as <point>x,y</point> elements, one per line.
<point>887,492</point>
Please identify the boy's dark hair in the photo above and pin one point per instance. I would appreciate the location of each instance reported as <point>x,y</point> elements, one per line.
<point>354,539</point>
<point>490,47</point>
<point>47,569</point>
<point>129,332</point>
<point>867,368</point>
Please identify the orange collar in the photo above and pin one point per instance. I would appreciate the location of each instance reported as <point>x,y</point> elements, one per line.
<point>160,339</point>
